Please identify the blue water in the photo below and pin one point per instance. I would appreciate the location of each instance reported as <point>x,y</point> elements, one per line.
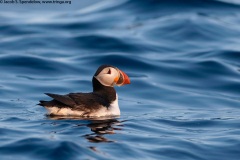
<point>182,57</point>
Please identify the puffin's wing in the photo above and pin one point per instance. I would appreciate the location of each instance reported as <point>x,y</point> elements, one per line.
<point>65,99</point>
<point>88,100</point>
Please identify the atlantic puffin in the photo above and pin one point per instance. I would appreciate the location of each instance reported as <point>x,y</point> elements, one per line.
<point>103,101</point>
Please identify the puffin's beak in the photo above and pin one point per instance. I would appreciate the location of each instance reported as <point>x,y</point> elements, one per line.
<point>123,79</point>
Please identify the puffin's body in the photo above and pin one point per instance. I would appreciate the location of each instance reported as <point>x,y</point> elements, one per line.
<point>103,101</point>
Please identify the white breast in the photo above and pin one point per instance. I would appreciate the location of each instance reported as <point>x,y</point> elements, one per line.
<point>112,110</point>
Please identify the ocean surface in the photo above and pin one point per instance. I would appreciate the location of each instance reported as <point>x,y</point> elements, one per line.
<point>183,59</point>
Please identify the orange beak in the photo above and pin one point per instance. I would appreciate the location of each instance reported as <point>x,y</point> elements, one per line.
<point>123,79</point>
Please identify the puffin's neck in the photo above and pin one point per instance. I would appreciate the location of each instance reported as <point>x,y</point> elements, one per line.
<point>108,93</point>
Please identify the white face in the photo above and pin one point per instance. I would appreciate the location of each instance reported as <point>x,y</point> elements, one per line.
<point>108,76</point>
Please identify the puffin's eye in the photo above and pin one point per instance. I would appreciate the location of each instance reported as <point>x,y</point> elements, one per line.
<point>109,71</point>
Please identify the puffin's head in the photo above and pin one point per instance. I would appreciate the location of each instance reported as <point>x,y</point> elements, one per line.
<point>109,75</point>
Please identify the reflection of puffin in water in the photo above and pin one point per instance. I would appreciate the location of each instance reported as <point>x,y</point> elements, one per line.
<point>101,127</point>
<point>103,101</point>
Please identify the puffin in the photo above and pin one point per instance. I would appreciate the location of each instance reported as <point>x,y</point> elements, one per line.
<point>102,101</point>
